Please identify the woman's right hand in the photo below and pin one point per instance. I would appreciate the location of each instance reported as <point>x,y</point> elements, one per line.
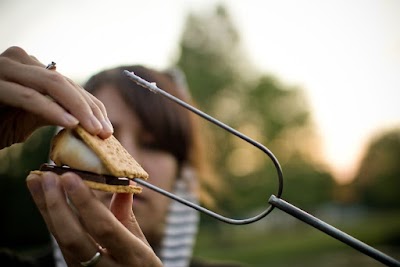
<point>115,232</point>
<point>32,96</point>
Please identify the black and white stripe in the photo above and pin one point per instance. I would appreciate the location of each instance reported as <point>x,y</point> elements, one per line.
<point>181,226</point>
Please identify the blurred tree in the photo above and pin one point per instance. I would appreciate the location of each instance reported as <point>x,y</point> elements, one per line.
<point>226,85</point>
<point>378,178</point>
<point>208,46</point>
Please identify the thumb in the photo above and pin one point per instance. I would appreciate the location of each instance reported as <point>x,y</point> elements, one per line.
<point>121,207</point>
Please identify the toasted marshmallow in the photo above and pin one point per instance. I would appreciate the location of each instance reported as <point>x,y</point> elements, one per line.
<point>69,150</point>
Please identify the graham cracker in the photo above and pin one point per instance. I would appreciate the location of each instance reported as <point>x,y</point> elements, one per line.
<point>113,155</point>
<point>114,188</point>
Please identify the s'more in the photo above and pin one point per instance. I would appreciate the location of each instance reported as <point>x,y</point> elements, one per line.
<point>103,164</point>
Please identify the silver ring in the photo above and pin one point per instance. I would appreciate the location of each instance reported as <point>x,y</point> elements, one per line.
<point>93,261</point>
<point>51,66</point>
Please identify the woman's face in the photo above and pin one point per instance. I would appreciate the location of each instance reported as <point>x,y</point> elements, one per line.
<point>149,207</point>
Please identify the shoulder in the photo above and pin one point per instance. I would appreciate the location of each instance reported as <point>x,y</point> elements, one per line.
<point>203,263</point>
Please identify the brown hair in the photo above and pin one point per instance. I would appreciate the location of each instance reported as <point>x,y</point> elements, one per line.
<point>176,130</point>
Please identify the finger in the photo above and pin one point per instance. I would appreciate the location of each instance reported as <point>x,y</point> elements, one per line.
<point>98,110</point>
<point>101,223</point>
<point>121,207</point>
<point>98,103</point>
<point>34,184</point>
<point>18,54</point>
<point>108,129</point>
<point>70,235</point>
<point>56,86</point>
<point>30,100</point>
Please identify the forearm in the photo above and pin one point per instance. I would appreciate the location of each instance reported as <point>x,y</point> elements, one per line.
<point>8,131</point>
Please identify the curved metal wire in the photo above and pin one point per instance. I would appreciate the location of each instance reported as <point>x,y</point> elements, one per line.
<point>153,88</point>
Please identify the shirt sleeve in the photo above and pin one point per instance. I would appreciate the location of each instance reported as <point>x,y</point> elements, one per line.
<point>18,160</point>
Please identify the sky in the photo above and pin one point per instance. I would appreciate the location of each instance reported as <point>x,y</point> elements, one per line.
<point>344,54</point>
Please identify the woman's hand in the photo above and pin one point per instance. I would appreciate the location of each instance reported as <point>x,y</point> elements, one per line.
<point>32,96</point>
<point>115,232</point>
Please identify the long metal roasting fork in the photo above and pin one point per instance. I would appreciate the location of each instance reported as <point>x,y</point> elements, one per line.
<point>274,201</point>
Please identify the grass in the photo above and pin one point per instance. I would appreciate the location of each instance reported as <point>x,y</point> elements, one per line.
<point>299,244</point>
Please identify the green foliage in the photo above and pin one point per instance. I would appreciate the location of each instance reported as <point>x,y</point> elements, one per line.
<point>377,180</point>
<point>305,186</point>
<point>205,54</point>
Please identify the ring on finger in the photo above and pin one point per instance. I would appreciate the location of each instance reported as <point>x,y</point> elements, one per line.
<point>51,66</point>
<point>93,261</point>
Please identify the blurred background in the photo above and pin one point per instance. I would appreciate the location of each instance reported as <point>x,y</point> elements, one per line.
<point>317,82</point>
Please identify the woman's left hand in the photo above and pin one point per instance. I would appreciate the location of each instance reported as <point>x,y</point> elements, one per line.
<point>91,227</point>
<point>32,96</point>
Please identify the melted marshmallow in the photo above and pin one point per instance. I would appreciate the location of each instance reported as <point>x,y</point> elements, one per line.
<point>73,152</point>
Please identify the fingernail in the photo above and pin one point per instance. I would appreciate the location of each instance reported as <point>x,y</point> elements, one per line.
<point>95,123</point>
<point>70,120</point>
<point>70,182</point>
<point>31,176</point>
<point>107,126</point>
<point>49,181</point>
<point>33,183</point>
<point>109,122</point>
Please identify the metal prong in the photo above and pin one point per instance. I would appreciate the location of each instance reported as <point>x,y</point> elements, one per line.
<point>142,82</point>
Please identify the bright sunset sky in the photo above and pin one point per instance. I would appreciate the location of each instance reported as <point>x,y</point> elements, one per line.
<point>345,54</point>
